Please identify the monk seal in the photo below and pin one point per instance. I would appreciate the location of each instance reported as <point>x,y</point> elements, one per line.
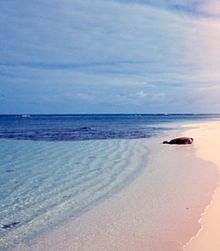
<point>180,141</point>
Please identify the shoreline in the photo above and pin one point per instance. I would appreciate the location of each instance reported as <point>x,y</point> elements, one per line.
<point>207,238</point>
<point>149,214</point>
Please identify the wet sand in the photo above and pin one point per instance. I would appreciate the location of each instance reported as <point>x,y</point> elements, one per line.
<point>158,211</point>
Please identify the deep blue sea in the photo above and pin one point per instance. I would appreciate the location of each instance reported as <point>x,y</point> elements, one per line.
<point>89,127</point>
<point>53,168</point>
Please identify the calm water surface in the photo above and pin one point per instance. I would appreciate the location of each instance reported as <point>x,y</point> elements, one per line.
<point>53,168</point>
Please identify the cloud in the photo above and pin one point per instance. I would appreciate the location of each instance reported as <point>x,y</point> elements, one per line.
<point>141,94</point>
<point>91,56</point>
<point>203,8</point>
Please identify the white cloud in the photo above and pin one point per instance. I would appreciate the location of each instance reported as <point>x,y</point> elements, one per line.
<point>141,94</point>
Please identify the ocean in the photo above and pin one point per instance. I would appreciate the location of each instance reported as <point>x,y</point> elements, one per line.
<point>57,167</point>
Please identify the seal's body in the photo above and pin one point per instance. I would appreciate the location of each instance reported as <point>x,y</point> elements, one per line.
<point>180,141</point>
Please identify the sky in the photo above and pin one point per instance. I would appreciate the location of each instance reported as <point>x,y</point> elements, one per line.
<point>109,56</point>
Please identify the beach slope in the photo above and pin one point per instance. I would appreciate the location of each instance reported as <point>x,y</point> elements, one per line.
<point>207,147</point>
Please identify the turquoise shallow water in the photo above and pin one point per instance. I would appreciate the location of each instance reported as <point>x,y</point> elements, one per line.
<point>44,183</point>
<point>53,168</point>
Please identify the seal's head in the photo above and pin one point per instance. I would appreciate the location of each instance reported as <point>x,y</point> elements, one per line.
<point>166,142</point>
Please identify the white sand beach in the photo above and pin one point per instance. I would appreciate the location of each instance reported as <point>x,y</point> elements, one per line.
<point>207,147</point>
<point>161,210</point>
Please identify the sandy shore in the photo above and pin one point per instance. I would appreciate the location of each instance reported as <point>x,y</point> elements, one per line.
<point>207,147</point>
<point>159,211</point>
